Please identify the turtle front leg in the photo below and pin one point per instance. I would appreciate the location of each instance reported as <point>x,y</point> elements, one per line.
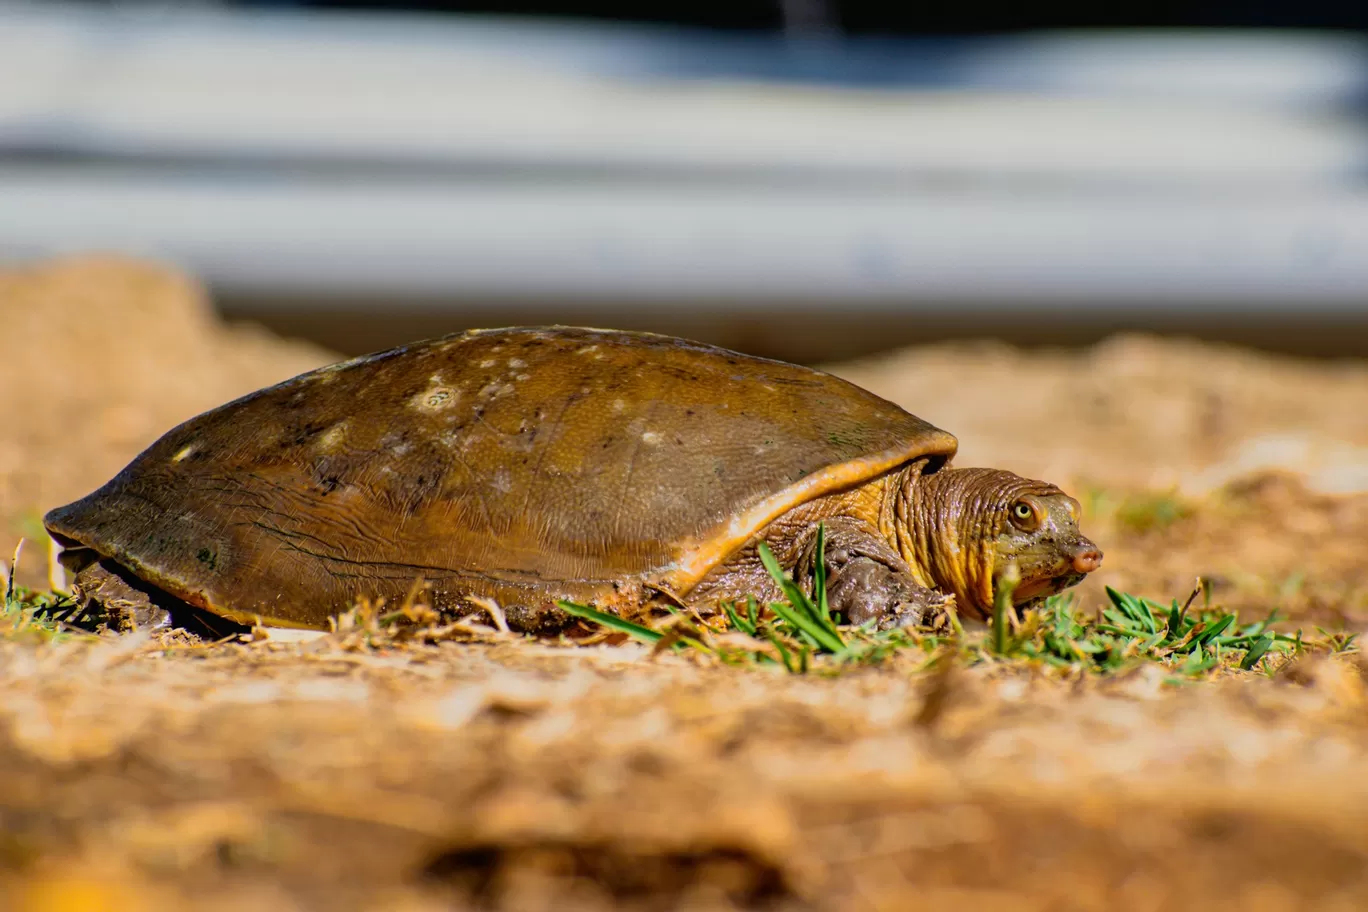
<point>106,594</point>
<point>867,580</point>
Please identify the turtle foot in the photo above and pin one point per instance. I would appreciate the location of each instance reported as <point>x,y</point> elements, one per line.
<point>109,598</point>
<point>865,590</point>
<point>869,581</point>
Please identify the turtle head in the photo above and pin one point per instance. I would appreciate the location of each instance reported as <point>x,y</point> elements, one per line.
<point>965,527</point>
<point>1042,538</point>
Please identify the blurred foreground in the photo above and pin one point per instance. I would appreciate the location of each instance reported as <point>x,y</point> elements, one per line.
<point>336,774</point>
<point>172,776</point>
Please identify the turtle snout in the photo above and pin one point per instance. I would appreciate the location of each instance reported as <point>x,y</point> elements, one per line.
<point>1084,556</point>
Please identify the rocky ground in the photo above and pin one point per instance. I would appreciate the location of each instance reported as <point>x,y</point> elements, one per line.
<point>331,773</point>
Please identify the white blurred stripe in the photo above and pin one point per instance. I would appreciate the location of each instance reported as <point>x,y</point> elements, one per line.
<point>637,242</point>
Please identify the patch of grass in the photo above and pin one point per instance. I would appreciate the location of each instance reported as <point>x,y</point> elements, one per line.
<point>800,634</point>
<point>26,614</point>
<point>1133,628</point>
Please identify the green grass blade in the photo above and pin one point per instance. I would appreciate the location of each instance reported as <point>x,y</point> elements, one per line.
<point>1256,652</point>
<point>815,625</point>
<point>796,596</point>
<point>10,573</point>
<point>819,577</point>
<point>784,654</point>
<point>1146,647</point>
<point>1174,627</point>
<point>1121,621</point>
<point>1206,636</point>
<point>736,620</point>
<point>1145,610</point>
<point>820,636</point>
<point>1121,600</point>
<point>1002,606</point>
<point>1138,610</point>
<point>611,621</point>
<point>789,622</point>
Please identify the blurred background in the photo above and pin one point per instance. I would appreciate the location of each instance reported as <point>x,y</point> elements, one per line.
<point>808,179</point>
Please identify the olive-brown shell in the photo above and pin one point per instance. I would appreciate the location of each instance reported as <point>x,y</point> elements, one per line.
<point>556,461</point>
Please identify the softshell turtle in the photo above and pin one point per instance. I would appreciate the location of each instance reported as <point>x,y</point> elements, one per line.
<point>535,464</point>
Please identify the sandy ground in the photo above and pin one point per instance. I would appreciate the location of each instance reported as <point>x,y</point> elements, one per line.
<point>164,773</point>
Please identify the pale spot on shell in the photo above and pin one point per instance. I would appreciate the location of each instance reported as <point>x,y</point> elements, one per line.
<point>491,391</point>
<point>333,436</point>
<point>618,405</point>
<point>651,438</point>
<point>488,362</point>
<point>523,377</point>
<point>586,350</point>
<point>400,449</point>
<point>435,399</point>
<point>516,363</point>
<point>184,452</point>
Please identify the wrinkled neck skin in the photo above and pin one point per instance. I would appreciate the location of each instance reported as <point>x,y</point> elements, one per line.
<point>946,525</point>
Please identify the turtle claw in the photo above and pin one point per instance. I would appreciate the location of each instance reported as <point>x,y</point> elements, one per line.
<point>147,617</point>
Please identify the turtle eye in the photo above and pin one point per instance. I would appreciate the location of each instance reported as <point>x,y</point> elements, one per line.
<point>1023,516</point>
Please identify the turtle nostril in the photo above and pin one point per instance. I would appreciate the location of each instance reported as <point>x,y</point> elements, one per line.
<point>1087,559</point>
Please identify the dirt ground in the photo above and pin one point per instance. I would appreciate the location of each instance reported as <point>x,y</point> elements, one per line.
<point>168,773</point>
